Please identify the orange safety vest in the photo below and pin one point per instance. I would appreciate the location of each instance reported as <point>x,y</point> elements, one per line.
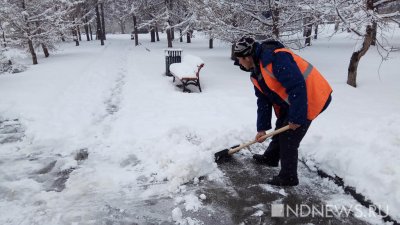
<point>318,89</point>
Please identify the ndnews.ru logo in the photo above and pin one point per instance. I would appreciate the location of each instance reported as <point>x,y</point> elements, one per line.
<point>326,211</point>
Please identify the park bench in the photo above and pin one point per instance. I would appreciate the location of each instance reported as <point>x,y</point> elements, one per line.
<point>187,71</point>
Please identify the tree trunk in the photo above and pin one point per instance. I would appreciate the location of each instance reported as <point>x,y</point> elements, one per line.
<point>233,52</point>
<point>4,42</point>
<point>152,34</point>
<point>308,31</point>
<point>99,29</point>
<point>275,21</point>
<point>180,35</point>
<point>44,47</point>
<point>103,26</point>
<point>188,37</point>
<point>90,31</point>
<point>45,50</point>
<point>32,51</point>
<point>337,22</point>
<point>304,27</point>
<point>308,35</point>
<point>374,30</point>
<point>122,26</point>
<point>79,33</point>
<point>30,44</point>
<point>87,29</point>
<point>336,25</point>
<point>135,30</point>
<point>4,37</point>
<point>62,37</point>
<point>157,36</point>
<point>173,33</point>
<point>356,56</point>
<point>75,34</point>
<point>211,43</point>
<point>169,37</point>
<point>316,31</point>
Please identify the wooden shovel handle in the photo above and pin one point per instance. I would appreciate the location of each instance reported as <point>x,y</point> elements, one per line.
<point>244,145</point>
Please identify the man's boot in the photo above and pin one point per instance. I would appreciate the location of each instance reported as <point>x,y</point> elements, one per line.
<point>279,181</point>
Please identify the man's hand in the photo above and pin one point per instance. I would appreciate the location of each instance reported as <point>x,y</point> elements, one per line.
<point>293,126</point>
<point>260,134</point>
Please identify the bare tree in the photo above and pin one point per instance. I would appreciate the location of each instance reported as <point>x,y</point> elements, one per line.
<point>363,19</point>
<point>103,25</point>
<point>135,30</point>
<point>99,32</point>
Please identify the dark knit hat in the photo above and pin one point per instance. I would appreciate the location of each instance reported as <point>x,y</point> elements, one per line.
<point>244,46</point>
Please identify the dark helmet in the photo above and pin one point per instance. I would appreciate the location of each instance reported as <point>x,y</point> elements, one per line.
<point>244,46</point>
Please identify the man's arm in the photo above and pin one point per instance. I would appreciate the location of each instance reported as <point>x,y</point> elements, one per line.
<point>264,111</point>
<point>289,75</point>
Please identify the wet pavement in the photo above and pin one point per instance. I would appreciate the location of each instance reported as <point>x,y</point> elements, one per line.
<point>247,199</point>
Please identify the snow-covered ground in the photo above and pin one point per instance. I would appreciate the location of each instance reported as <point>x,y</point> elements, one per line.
<point>146,138</point>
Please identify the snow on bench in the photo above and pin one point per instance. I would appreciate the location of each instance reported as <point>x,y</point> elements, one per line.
<point>188,71</point>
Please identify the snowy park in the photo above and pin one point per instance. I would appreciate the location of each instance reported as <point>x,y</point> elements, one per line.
<point>99,134</point>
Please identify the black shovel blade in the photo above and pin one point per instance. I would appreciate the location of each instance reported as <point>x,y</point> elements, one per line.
<point>224,154</point>
<point>219,156</point>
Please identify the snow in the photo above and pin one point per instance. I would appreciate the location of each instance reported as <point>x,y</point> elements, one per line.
<point>259,206</point>
<point>273,189</point>
<point>203,197</point>
<point>146,139</point>
<point>192,59</point>
<point>258,213</point>
<point>176,214</point>
<point>187,68</point>
<point>177,217</point>
<point>192,203</point>
<point>357,138</point>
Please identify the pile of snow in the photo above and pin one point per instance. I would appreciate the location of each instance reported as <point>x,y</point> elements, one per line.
<point>9,60</point>
<point>188,67</point>
<point>176,214</point>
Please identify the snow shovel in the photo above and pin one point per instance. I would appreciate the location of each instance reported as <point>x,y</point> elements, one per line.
<point>229,152</point>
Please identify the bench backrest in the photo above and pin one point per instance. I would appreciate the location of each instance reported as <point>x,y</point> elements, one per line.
<point>198,71</point>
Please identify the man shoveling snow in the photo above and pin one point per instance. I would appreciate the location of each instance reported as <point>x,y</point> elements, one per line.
<point>297,92</point>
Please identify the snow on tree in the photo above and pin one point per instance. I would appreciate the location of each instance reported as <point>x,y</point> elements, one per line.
<point>265,19</point>
<point>120,10</point>
<point>38,24</point>
<point>363,18</point>
<point>35,24</point>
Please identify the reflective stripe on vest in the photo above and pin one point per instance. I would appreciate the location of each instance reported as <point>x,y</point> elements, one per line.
<point>318,89</point>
